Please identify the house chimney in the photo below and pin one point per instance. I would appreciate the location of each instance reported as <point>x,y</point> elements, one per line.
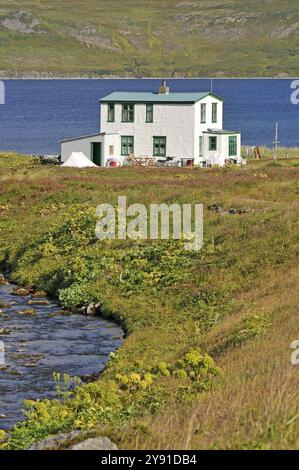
<point>164,89</point>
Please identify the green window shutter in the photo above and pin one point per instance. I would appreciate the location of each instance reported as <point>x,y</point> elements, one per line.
<point>127,145</point>
<point>212,143</point>
<point>159,149</point>
<point>232,146</point>
<point>214,112</point>
<point>149,113</point>
<point>111,112</point>
<point>128,113</point>
<point>203,113</point>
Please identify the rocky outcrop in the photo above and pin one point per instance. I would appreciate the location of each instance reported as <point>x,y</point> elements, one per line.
<point>58,441</point>
<point>95,443</point>
<point>75,440</point>
<point>22,22</point>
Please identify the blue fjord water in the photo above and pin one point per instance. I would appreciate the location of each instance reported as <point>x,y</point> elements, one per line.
<point>39,113</point>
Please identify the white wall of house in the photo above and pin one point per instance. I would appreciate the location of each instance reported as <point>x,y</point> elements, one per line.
<point>221,154</point>
<point>179,123</point>
<point>215,156</point>
<point>111,148</point>
<point>78,145</point>
<point>200,127</point>
<point>173,121</point>
<point>225,145</point>
<point>110,143</point>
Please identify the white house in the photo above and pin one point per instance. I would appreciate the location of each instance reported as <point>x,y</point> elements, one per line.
<point>186,127</point>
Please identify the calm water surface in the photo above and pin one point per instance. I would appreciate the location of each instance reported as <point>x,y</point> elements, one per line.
<point>39,113</point>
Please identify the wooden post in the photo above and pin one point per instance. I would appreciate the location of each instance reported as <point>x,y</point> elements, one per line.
<point>276,142</point>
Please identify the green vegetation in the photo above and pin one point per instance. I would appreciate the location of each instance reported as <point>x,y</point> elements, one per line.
<point>206,361</point>
<point>149,38</point>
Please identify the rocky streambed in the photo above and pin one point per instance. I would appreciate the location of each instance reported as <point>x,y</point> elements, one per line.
<point>39,339</point>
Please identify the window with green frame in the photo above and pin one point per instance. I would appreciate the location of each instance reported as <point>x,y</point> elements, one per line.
<point>127,145</point>
<point>159,149</point>
<point>149,112</point>
<point>232,146</point>
<point>128,113</point>
<point>212,143</point>
<point>203,113</point>
<point>214,112</point>
<point>111,112</point>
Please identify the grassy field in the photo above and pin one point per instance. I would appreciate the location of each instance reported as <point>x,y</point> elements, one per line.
<point>283,153</point>
<point>149,38</point>
<point>206,362</point>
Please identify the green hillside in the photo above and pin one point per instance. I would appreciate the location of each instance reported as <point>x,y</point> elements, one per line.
<point>206,363</point>
<point>149,38</point>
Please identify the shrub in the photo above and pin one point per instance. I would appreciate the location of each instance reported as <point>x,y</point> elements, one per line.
<point>134,381</point>
<point>198,366</point>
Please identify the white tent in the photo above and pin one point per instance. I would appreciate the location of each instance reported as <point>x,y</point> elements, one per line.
<point>78,160</point>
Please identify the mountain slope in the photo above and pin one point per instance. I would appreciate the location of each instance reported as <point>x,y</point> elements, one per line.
<point>150,38</point>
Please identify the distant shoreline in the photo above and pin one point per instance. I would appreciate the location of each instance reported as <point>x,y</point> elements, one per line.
<point>4,75</point>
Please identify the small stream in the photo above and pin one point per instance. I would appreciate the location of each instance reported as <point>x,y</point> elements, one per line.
<point>40,339</point>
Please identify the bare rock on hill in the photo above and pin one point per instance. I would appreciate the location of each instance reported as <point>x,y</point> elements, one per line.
<point>93,36</point>
<point>22,22</point>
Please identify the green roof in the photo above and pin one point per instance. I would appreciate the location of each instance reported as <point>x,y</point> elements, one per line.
<point>144,97</point>
<point>220,131</point>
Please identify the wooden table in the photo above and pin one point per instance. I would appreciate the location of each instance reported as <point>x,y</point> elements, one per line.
<point>144,162</point>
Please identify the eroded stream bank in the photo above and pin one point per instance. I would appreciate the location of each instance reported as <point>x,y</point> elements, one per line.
<point>40,339</point>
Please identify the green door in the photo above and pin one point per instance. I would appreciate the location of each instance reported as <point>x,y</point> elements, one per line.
<point>96,153</point>
<point>232,146</point>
